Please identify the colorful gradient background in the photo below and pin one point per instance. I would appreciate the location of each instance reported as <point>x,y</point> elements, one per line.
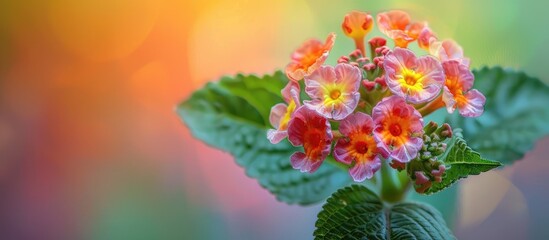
<point>91,148</point>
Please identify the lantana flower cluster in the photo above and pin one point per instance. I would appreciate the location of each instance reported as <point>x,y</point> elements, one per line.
<point>370,106</point>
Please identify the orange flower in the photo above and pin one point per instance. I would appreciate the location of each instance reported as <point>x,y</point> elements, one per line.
<point>397,25</point>
<point>307,58</point>
<point>357,25</point>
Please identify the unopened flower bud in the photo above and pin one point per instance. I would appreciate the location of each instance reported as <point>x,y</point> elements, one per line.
<point>356,54</point>
<point>445,131</point>
<point>438,173</point>
<point>343,59</point>
<point>381,81</point>
<point>368,85</point>
<point>379,61</point>
<point>397,165</point>
<point>369,66</point>
<point>430,128</point>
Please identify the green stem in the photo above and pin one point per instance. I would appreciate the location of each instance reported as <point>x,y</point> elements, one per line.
<point>339,165</point>
<point>392,189</point>
<point>404,181</point>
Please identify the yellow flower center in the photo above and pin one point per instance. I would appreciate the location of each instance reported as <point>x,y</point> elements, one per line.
<point>286,118</point>
<point>410,80</point>
<point>362,147</point>
<point>396,131</point>
<point>335,94</point>
<point>456,89</point>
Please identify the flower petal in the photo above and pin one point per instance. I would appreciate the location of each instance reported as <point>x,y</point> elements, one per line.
<point>448,50</point>
<point>448,99</point>
<point>392,20</point>
<point>300,162</point>
<point>365,170</point>
<point>350,101</point>
<point>317,81</point>
<point>475,104</point>
<point>319,106</point>
<point>426,38</point>
<point>408,151</point>
<point>348,75</point>
<point>356,121</point>
<point>308,57</point>
<point>341,154</point>
<point>275,136</point>
<point>291,92</point>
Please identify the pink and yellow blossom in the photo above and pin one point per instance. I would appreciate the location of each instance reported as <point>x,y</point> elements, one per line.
<point>399,128</point>
<point>334,91</point>
<point>358,145</point>
<point>418,80</point>
<point>448,50</point>
<point>281,113</point>
<point>397,25</point>
<point>309,57</point>
<point>312,131</point>
<point>458,93</point>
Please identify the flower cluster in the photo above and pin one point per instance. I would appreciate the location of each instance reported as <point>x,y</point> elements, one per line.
<point>369,107</point>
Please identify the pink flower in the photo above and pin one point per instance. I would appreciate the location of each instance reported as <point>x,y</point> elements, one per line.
<point>426,38</point>
<point>359,146</point>
<point>397,25</point>
<point>308,57</point>
<point>448,50</point>
<point>281,113</point>
<point>458,93</point>
<point>312,131</point>
<point>418,80</point>
<point>399,128</point>
<point>334,91</point>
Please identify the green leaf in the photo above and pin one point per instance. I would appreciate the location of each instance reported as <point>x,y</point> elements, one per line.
<point>516,115</point>
<point>233,115</point>
<point>446,202</point>
<point>355,212</point>
<point>460,161</point>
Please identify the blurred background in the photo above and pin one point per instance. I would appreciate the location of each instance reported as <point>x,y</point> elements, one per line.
<point>91,148</point>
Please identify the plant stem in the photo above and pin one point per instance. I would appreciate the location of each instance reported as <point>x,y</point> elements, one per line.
<point>431,107</point>
<point>359,43</point>
<point>392,187</point>
<point>339,165</point>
